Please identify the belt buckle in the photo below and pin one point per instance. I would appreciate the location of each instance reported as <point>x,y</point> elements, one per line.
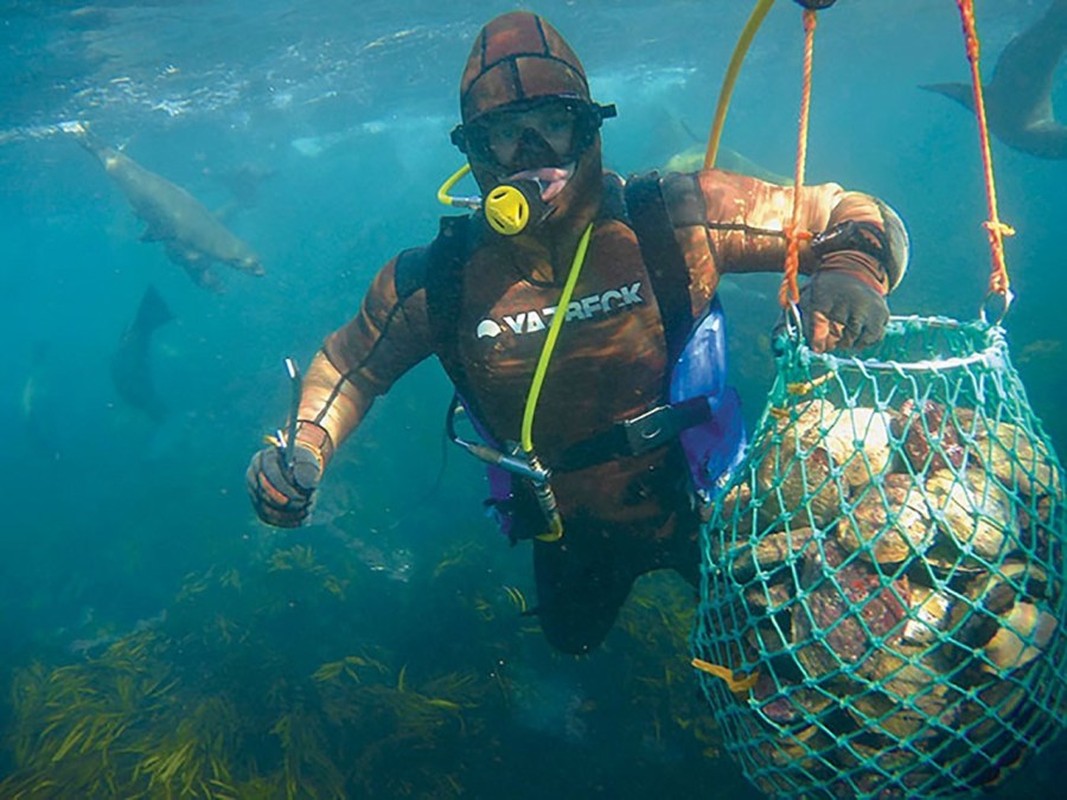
<point>649,430</point>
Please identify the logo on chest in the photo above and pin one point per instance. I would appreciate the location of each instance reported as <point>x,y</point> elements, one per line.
<point>534,320</point>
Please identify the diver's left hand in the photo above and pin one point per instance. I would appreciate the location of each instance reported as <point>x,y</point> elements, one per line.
<point>841,309</point>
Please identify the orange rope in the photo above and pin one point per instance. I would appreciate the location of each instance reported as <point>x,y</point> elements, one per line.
<point>997,230</point>
<point>789,292</point>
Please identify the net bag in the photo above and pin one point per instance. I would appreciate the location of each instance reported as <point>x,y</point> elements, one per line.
<point>883,579</point>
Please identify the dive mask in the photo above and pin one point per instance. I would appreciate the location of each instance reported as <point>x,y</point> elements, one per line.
<point>547,131</point>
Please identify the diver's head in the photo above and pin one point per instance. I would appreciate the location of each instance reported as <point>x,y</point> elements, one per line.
<point>527,113</point>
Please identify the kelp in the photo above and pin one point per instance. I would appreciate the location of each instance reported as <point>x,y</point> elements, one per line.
<point>118,726</point>
<point>302,674</point>
<point>221,701</point>
<point>658,619</point>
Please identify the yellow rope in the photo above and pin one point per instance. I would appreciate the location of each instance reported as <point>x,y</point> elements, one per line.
<point>728,81</point>
<point>735,685</point>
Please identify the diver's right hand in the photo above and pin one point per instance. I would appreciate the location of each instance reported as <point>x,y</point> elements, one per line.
<point>280,496</point>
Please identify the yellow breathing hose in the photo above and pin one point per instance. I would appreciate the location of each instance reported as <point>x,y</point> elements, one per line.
<point>543,491</point>
<point>443,196</point>
<point>526,437</point>
<point>545,497</point>
<point>726,92</point>
<point>541,370</point>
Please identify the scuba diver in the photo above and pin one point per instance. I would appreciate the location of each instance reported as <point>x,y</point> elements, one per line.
<point>576,315</point>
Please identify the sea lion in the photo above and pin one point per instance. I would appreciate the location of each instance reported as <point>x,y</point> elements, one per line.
<point>1018,99</point>
<point>131,372</point>
<point>692,159</point>
<point>40,402</point>
<point>192,236</point>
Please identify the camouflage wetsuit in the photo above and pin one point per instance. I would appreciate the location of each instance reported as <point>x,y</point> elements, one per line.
<point>631,514</point>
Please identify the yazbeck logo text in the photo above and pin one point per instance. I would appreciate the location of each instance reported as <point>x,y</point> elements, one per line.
<point>534,320</point>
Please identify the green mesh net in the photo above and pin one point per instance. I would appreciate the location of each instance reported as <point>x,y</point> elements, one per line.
<point>886,569</point>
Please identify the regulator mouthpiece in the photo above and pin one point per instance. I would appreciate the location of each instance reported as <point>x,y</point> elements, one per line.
<point>511,206</point>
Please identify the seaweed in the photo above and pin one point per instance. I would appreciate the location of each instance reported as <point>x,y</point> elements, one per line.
<point>301,674</point>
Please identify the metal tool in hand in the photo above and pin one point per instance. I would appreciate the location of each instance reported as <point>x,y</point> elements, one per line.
<point>287,442</point>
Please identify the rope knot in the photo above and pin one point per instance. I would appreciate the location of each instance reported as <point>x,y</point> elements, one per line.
<point>794,232</point>
<point>998,228</point>
<point>789,291</point>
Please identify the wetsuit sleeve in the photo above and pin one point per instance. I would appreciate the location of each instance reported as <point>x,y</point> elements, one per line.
<point>725,222</point>
<point>360,361</point>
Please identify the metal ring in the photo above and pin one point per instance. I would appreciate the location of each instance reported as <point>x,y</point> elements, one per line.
<point>1007,298</point>
<point>794,323</point>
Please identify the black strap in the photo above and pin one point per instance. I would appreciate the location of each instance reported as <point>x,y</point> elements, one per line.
<point>410,274</point>
<point>650,220</point>
<point>866,237</point>
<point>643,205</point>
<point>653,429</point>
<point>439,269</point>
<point>447,255</point>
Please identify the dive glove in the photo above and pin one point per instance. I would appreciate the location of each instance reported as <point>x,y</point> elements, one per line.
<point>841,308</point>
<point>282,496</point>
